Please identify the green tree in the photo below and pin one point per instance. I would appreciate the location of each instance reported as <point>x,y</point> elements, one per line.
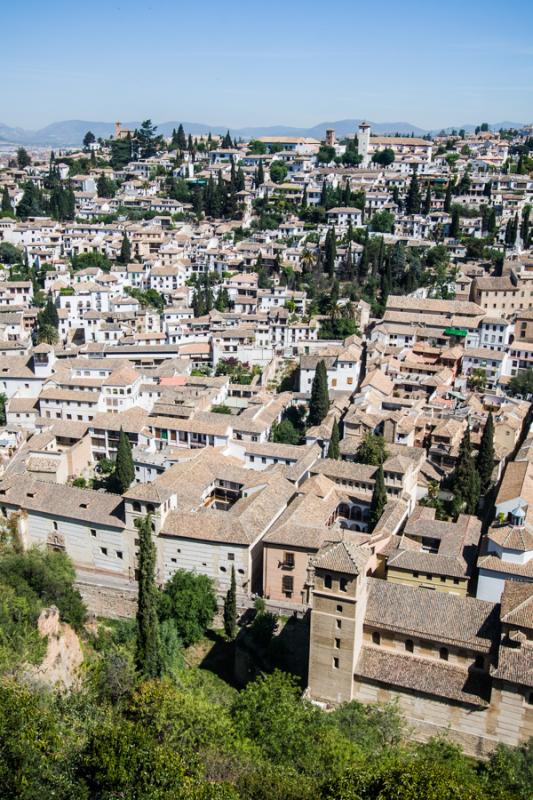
<point>7,208</point>
<point>372,450</point>
<point>330,248</point>
<point>521,383</point>
<point>9,254</point>
<point>383,157</point>
<point>88,139</point>
<point>284,432</point>
<point>278,171</point>
<point>124,468</point>
<point>333,449</point>
<point>23,158</point>
<point>319,402</point>
<point>448,197</point>
<point>230,608</point>
<point>455,225</point>
<point>47,334</point>
<point>125,250</point>
<point>427,201</point>
<point>485,456</point>
<point>464,480</point>
<point>48,316</point>
<point>413,199</point>
<point>190,602</point>
<point>379,498</point>
<point>148,646</point>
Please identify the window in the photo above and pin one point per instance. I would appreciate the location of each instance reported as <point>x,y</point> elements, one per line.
<point>287,585</point>
<point>409,646</point>
<point>337,644</point>
<point>530,698</point>
<point>376,638</point>
<point>93,532</point>
<point>231,556</point>
<point>54,525</point>
<point>222,569</point>
<point>339,609</point>
<point>327,581</point>
<point>343,584</point>
<point>335,663</point>
<point>103,550</point>
<point>443,653</point>
<point>338,624</point>
<point>136,506</point>
<point>288,560</point>
<point>120,554</point>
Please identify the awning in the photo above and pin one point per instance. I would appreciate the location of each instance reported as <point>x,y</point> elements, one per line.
<point>455,332</point>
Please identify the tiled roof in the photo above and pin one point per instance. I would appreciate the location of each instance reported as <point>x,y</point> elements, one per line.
<point>436,616</point>
<point>423,676</point>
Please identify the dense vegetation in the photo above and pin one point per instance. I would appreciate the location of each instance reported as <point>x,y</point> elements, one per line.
<point>185,733</point>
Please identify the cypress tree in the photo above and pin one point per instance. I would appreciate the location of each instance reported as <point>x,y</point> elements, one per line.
<point>330,251</point>
<point>455,227</point>
<point>148,645</point>
<point>48,316</point>
<point>379,498</point>
<point>427,201</point>
<point>125,250</point>
<point>464,480</point>
<point>413,199</point>
<point>260,174</point>
<point>124,469</point>
<point>485,456</point>
<point>448,197</point>
<point>230,608</point>
<point>324,195</point>
<point>319,403</point>
<point>7,208</point>
<point>180,138</point>
<point>333,449</point>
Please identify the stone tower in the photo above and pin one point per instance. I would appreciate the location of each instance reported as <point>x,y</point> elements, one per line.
<point>330,137</point>
<point>363,142</point>
<point>339,592</point>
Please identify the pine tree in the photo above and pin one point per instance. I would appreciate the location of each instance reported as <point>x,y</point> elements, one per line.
<point>379,499</point>
<point>319,403</point>
<point>464,480</point>
<point>230,608</point>
<point>333,449</point>
<point>413,199</point>
<point>124,468</point>
<point>485,456</point>
<point>148,646</point>
<point>125,250</point>
<point>7,208</point>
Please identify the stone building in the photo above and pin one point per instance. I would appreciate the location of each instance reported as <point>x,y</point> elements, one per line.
<point>455,664</point>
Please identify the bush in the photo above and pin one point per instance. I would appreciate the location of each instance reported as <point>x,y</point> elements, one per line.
<point>47,576</point>
<point>188,600</point>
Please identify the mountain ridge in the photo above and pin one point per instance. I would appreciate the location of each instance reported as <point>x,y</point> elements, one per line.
<point>71,132</point>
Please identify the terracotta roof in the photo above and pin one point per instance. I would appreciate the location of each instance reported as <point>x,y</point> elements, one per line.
<point>436,616</point>
<point>423,676</point>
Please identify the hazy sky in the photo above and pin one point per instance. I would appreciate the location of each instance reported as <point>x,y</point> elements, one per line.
<point>291,62</point>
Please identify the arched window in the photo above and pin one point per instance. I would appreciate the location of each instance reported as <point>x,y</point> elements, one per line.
<point>443,653</point>
<point>150,508</point>
<point>409,646</point>
<point>136,506</point>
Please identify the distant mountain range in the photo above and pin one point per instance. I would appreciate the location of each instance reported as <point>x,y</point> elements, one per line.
<point>71,132</point>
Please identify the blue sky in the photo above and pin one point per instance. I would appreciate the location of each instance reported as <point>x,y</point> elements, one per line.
<point>295,62</point>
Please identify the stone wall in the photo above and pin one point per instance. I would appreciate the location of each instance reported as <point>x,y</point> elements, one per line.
<point>108,601</point>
